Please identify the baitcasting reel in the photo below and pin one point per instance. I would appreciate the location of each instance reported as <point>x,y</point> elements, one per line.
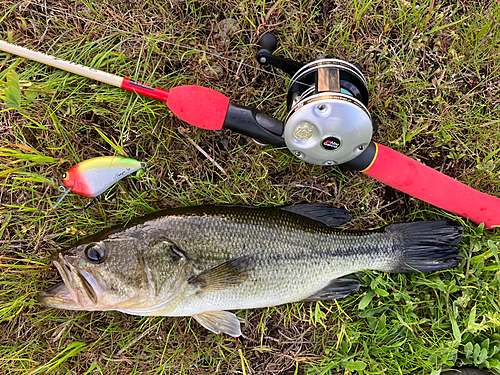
<point>328,122</point>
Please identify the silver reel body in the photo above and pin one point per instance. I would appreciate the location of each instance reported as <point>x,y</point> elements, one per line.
<point>328,121</point>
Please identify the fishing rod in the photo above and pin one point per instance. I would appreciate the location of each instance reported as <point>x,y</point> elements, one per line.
<point>328,123</point>
<point>199,106</point>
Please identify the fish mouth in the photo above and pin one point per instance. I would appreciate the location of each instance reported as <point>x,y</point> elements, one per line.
<point>58,296</point>
<point>76,292</point>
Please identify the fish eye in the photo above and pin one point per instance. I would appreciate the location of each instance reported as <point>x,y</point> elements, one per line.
<point>94,253</point>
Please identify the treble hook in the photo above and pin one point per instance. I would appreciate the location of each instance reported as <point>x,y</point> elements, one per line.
<point>88,205</point>
<point>148,179</point>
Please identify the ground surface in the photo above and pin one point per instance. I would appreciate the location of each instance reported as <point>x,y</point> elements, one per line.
<point>433,76</point>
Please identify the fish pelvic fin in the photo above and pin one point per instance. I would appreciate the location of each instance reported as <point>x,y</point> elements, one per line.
<point>426,245</point>
<point>336,289</point>
<point>220,322</point>
<point>227,274</point>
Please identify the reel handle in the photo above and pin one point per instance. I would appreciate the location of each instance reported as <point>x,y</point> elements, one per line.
<point>411,177</point>
<point>268,42</point>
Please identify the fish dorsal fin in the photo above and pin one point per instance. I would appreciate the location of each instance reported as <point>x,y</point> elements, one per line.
<point>330,216</point>
<point>220,322</point>
<point>338,288</point>
<point>227,274</point>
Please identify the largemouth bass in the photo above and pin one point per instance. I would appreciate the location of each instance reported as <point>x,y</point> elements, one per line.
<point>202,261</point>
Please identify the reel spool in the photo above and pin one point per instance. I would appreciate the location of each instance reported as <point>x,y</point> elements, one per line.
<point>328,122</point>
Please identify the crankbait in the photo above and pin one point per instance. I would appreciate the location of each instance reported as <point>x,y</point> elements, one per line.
<point>92,177</point>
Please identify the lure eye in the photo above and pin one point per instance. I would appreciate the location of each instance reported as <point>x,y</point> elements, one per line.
<point>94,253</point>
<point>65,176</point>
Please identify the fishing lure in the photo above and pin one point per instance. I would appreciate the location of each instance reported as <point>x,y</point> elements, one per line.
<point>92,177</point>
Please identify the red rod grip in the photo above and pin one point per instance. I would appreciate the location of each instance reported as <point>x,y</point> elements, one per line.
<point>411,177</point>
<point>199,106</point>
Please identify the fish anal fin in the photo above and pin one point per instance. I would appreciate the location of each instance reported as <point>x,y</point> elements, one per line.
<point>338,288</point>
<point>220,322</point>
<point>330,216</point>
<point>230,273</point>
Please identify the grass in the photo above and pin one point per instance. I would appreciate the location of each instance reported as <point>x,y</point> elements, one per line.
<point>434,80</point>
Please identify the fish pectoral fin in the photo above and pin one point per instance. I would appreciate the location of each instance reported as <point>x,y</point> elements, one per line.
<point>338,288</point>
<point>330,216</point>
<point>220,322</point>
<point>230,273</point>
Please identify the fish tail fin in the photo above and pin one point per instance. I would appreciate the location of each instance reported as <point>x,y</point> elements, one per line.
<point>427,245</point>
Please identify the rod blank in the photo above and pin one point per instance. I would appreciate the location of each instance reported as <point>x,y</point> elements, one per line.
<point>68,66</point>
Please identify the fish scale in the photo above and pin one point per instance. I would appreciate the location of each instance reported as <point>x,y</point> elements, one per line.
<point>201,261</point>
<point>292,272</point>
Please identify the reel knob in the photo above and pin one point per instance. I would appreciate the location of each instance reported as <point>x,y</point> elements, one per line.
<point>268,42</point>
